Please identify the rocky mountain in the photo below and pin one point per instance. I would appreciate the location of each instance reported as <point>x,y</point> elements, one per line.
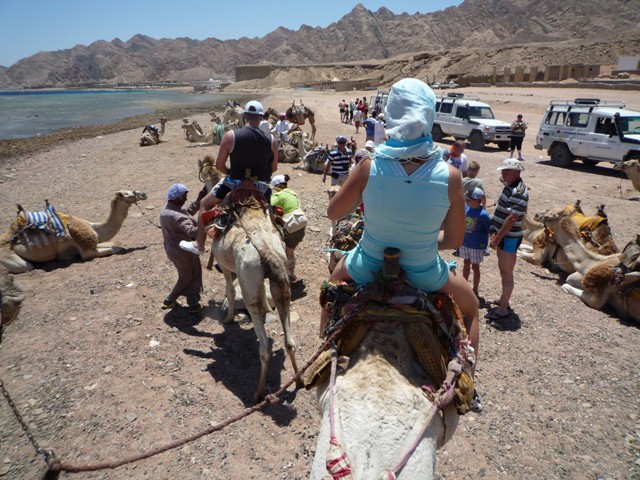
<point>358,36</point>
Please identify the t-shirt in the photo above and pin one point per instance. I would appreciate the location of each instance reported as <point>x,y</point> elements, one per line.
<point>340,161</point>
<point>285,199</point>
<point>514,199</point>
<point>357,115</point>
<point>265,126</point>
<point>477,223</point>
<point>369,126</point>
<point>461,162</point>
<point>518,128</point>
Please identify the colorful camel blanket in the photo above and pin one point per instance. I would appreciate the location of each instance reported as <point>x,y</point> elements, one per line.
<point>347,232</point>
<point>40,229</point>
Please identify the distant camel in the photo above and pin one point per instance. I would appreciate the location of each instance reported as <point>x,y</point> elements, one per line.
<point>632,169</point>
<point>163,123</point>
<point>299,113</point>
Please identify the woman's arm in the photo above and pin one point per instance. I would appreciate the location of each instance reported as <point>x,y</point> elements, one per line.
<point>350,194</point>
<point>452,233</point>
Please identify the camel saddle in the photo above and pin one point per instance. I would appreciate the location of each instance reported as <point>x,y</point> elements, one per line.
<point>40,228</point>
<point>432,322</point>
<point>347,232</point>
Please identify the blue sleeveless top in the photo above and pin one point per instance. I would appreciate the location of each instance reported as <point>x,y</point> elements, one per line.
<point>405,212</point>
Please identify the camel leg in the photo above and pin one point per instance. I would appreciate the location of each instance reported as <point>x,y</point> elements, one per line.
<point>533,257</point>
<point>231,296</point>
<point>102,250</point>
<point>15,263</point>
<point>594,300</point>
<point>255,304</point>
<point>525,248</point>
<point>210,262</point>
<point>282,299</point>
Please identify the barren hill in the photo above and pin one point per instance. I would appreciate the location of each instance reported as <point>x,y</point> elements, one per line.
<point>538,27</point>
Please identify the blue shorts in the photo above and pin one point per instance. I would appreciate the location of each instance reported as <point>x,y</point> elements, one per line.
<point>510,244</point>
<point>428,278</point>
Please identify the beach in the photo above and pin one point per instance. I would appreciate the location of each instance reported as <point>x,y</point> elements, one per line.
<point>100,373</point>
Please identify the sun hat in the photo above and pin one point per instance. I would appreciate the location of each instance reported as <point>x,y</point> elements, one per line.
<point>253,107</point>
<point>176,191</point>
<point>341,139</point>
<point>277,180</point>
<point>476,193</point>
<point>511,164</point>
<point>381,116</point>
<point>369,144</point>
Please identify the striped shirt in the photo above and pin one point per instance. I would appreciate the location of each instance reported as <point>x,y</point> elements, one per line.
<point>340,161</point>
<point>514,199</point>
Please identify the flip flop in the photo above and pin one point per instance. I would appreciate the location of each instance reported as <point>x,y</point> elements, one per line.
<point>171,305</point>
<point>493,315</point>
<point>196,308</point>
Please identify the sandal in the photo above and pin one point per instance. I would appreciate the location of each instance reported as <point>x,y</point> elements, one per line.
<point>196,308</point>
<point>494,315</point>
<point>170,305</point>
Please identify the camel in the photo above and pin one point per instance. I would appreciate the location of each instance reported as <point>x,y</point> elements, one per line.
<point>379,408</point>
<point>87,239</point>
<point>233,113</point>
<point>299,113</point>
<point>287,153</point>
<point>595,234</point>
<point>193,132</point>
<point>208,173</point>
<point>11,298</point>
<point>315,160</point>
<point>252,248</point>
<point>597,281</point>
<point>632,169</point>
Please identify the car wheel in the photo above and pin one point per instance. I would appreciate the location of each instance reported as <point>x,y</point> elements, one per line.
<point>504,146</point>
<point>561,155</point>
<point>476,142</point>
<point>437,133</point>
<point>589,163</point>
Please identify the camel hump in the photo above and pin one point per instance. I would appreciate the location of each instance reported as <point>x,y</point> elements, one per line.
<point>82,233</point>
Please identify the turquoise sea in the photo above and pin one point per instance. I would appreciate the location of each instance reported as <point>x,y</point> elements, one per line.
<point>26,113</point>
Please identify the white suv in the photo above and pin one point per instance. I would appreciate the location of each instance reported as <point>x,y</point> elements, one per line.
<point>464,118</point>
<point>590,130</point>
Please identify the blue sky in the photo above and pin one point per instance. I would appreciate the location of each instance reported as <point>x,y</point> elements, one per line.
<point>30,26</point>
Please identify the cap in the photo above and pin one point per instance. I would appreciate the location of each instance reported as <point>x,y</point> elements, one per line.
<point>253,107</point>
<point>476,193</point>
<point>341,139</point>
<point>369,144</point>
<point>511,164</point>
<point>277,180</point>
<point>381,116</point>
<point>176,191</point>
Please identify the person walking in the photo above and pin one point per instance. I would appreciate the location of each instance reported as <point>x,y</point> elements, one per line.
<point>294,231</point>
<point>357,118</point>
<point>252,152</point>
<point>457,158</point>
<point>369,128</point>
<point>343,111</point>
<point>177,224</point>
<point>379,134</point>
<point>518,129</point>
<point>338,162</point>
<point>506,231</point>
<point>477,224</point>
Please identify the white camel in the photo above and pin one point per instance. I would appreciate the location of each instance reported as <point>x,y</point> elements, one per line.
<point>253,250</point>
<point>233,113</point>
<point>19,247</point>
<point>163,124</point>
<point>593,281</point>
<point>632,169</point>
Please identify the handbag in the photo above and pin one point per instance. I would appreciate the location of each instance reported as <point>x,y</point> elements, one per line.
<point>294,221</point>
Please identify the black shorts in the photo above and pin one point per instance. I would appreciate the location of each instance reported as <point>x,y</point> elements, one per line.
<point>516,142</point>
<point>292,240</point>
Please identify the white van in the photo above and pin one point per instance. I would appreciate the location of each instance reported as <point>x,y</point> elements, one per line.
<point>590,130</point>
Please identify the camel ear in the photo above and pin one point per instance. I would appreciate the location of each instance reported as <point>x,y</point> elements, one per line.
<point>119,195</point>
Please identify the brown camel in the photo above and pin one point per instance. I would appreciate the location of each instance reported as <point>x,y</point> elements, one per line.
<point>252,249</point>
<point>89,240</point>
<point>299,113</point>
<point>597,280</point>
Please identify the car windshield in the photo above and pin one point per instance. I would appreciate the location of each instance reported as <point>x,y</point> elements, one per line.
<point>630,125</point>
<point>480,112</point>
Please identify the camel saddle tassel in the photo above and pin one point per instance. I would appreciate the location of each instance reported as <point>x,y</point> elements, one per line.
<point>338,464</point>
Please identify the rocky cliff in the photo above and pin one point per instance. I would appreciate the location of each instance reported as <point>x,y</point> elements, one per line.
<point>476,25</point>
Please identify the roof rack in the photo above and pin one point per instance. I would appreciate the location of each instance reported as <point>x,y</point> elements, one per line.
<point>586,102</point>
<point>455,95</point>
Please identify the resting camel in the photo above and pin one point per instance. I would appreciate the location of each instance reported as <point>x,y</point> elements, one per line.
<point>253,250</point>
<point>595,234</point>
<point>150,136</point>
<point>315,160</point>
<point>87,239</point>
<point>299,113</point>
<point>11,298</point>
<point>632,169</point>
<point>233,113</point>
<point>594,281</point>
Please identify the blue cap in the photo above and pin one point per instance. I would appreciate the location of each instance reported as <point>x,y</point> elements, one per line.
<point>476,193</point>
<point>176,191</point>
<point>254,108</point>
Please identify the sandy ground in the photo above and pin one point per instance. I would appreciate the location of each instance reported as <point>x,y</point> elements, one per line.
<point>100,373</point>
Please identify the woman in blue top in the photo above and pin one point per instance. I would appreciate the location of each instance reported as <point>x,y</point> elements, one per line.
<point>414,202</point>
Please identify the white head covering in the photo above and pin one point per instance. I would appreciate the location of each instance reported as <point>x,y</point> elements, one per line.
<point>409,113</point>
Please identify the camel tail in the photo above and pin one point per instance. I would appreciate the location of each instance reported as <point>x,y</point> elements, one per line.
<point>276,270</point>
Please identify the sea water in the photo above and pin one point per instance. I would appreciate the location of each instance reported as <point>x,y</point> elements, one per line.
<point>26,113</point>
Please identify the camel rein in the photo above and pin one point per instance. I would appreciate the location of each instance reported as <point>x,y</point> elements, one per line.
<point>148,219</point>
<point>56,465</point>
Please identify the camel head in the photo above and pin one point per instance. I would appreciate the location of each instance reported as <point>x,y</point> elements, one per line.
<point>600,211</point>
<point>628,165</point>
<point>551,218</point>
<point>208,173</point>
<point>11,297</point>
<point>130,196</point>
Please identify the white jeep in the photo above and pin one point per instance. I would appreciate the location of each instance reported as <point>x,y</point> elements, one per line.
<point>590,130</point>
<point>464,118</point>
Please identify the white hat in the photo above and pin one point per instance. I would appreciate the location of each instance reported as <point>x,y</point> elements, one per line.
<point>476,193</point>
<point>381,116</point>
<point>369,144</point>
<point>253,107</point>
<point>511,164</point>
<point>277,180</point>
